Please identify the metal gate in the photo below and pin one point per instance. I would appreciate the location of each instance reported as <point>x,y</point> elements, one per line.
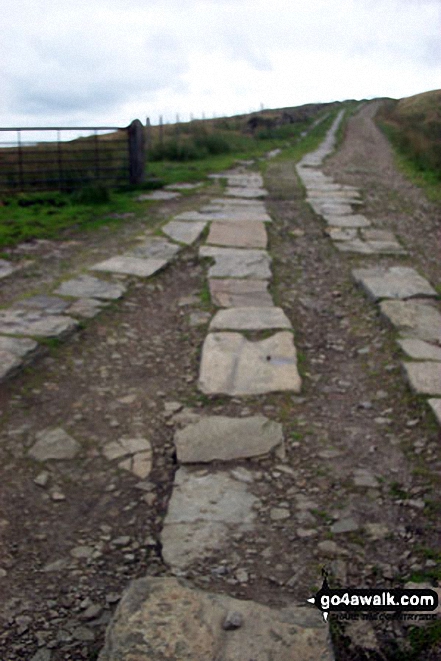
<point>67,159</point>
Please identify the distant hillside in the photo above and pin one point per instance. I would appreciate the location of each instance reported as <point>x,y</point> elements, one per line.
<point>414,126</point>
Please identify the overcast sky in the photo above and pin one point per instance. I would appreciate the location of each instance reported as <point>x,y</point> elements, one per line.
<point>77,62</point>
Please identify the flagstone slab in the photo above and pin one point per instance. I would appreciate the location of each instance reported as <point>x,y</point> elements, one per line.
<point>17,346</point>
<point>413,320</point>
<point>225,439</point>
<point>48,304</point>
<point>9,363</point>
<point>6,268</point>
<point>373,234</point>
<point>233,365</point>
<point>184,232</point>
<point>435,405</point>
<point>245,179</point>
<point>332,209</point>
<point>424,377</point>
<point>135,455</point>
<point>86,286</point>
<point>183,186</point>
<point>35,323</point>
<point>387,248</point>
<point>236,216</point>
<point>242,234</point>
<point>14,352</point>
<point>154,248</point>
<point>86,308</point>
<point>356,245</point>
<point>158,195</point>
<point>394,282</point>
<point>237,263</point>
<point>167,618</point>
<point>342,233</point>
<point>143,268</point>
<point>231,292</point>
<point>239,191</point>
<point>420,350</point>
<point>204,510</point>
<point>250,318</point>
<point>237,202</point>
<point>352,220</point>
<point>54,444</point>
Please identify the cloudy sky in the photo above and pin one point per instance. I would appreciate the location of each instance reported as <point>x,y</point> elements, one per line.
<point>77,62</point>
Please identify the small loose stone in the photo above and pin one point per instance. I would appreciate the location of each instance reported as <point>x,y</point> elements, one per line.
<point>233,620</point>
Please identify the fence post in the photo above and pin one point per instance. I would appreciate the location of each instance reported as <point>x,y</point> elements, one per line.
<point>136,152</point>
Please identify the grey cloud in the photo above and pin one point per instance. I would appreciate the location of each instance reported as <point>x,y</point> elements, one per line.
<point>70,76</point>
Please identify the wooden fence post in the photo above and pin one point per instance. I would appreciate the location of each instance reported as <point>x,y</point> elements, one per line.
<point>136,152</point>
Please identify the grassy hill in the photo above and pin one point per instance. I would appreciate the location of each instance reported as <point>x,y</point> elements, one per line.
<point>413,125</point>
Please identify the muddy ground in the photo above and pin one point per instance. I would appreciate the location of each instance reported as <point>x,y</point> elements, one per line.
<point>71,545</point>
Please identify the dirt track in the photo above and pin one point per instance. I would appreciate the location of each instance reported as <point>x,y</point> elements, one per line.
<point>113,379</point>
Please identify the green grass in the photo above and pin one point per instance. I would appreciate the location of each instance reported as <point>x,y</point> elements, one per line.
<point>49,215</point>
<point>413,127</point>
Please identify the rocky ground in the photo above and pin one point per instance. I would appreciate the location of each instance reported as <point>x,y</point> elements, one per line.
<point>356,490</point>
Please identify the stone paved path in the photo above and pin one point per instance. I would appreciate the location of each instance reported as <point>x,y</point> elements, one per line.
<point>230,444</point>
<point>415,315</point>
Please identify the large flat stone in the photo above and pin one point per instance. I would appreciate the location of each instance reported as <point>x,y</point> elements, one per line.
<point>420,350</point>
<point>159,195</point>
<point>395,282</point>
<point>166,618</point>
<point>246,180</point>
<point>13,353</point>
<point>219,437</point>
<point>48,304</point>
<point>424,377</point>
<point>9,363</point>
<point>387,248</point>
<point>86,308</point>
<point>341,233</point>
<point>20,347</point>
<point>154,248</point>
<point>250,318</point>
<point>238,202</point>
<point>184,186</point>
<point>184,232</point>
<point>240,191</point>
<point>237,263</point>
<point>135,455</point>
<point>231,292</point>
<point>6,268</point>
<point>86,286</point>
<point>354,245</point>
<point>352,220</point>
<point>331,208</point>
<point>205,508</point>
<point>230,215</point>
<point>435,405</point>
<point>34,323</point>
<point>143,268</point>
<point>242,234</point>
<point>233,365</point>
<point>412,319</point>
<point>374,234</point>
<point>54,444</point>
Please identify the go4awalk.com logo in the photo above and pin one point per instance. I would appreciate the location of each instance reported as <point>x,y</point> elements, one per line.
<point>374,600</point>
